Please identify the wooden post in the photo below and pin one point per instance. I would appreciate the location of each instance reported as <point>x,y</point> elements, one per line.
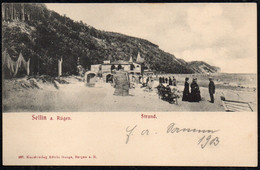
<point>28,67</point>
<point>23,17</point>
<point>38,65</point>
<point>3,12</point>
<point>11,11</point>
<point>7,13</point>
<point>28,17</point>
<point>14,13</point>
<point>59,67</point>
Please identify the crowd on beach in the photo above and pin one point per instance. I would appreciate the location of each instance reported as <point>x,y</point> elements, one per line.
<point>171,81</point>
<point>191,93</point>
<point>166,89</point>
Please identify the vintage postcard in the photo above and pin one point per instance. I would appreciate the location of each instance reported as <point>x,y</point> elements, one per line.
<point>150,84</point>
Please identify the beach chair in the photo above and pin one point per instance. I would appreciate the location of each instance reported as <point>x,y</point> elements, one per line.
<point>173,98</point>
<point>90,79</point>
<point>235,106</point>
<point>159,91</point>
<point>167,94</point>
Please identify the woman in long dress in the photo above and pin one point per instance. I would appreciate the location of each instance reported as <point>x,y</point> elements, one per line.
<point>195,91</point>
<point>186,91</point>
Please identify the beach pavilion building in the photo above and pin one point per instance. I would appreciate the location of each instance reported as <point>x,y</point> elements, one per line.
<point>106,68</point>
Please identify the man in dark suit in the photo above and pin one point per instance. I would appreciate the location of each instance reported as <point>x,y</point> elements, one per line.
<point>211,90</point>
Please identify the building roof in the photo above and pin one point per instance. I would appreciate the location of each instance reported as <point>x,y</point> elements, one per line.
<point>131,59</point>
<point>139,58</point>
<point>120,62</point>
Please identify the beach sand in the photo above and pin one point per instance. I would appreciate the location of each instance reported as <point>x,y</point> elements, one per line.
<point>77,97</point>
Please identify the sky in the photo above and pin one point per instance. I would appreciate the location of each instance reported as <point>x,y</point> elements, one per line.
<point>221,34</point>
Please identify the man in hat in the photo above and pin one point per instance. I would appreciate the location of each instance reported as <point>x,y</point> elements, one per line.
<point>211,89</point>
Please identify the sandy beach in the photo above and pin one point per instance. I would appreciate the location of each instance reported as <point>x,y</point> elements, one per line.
<point>75,96</point>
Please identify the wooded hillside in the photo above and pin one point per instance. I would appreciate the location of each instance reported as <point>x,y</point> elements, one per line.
<point>44,36</point>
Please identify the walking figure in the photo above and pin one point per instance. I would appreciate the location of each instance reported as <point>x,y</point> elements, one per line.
<point>211,90</point>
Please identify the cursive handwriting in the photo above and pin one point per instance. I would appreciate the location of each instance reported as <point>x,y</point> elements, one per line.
<point>129,132</point>
<point>172,129</point>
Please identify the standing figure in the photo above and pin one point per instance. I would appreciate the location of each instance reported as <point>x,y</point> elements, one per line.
<point>186,91</point>
<point>119,67</point>
<point>170,81</point>
<point>147,80</point>
<point>163,80</point>
<point>133,79</point>
<point>174,81</point>
<point>150,84</point>
<point>195,91</point>
<point>211,90</point>
<point>168,91</point>
<point>166,80</point>
<point>143,80</point>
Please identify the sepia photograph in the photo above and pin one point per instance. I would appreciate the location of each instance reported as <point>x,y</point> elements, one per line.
<point>136,57</point>
<point>116,84</point>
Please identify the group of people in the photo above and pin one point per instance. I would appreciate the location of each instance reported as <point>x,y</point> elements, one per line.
<point>194,94</point>
<point>167,94</point>
<point>137,79</point>
<point>148,82</point>
<point>170,81</point>
<point>145,81</point>
<point>191,91</point>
